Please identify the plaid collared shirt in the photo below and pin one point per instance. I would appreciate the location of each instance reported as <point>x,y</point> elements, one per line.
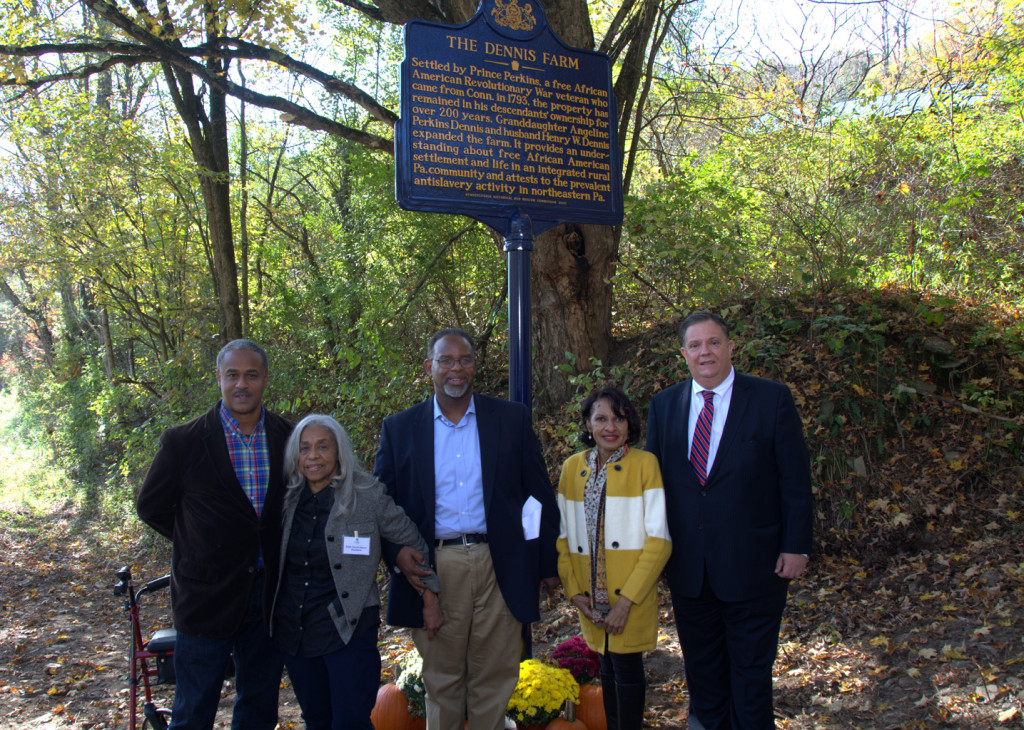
<point>249,456</point>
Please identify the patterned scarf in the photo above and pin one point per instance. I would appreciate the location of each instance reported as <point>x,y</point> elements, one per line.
<point>594,497</point>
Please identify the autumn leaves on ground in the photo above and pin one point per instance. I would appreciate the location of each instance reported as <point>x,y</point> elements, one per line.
<point>911,616</point>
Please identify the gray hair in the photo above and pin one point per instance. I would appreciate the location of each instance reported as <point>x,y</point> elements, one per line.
<point>350,477</point>
<point>243,345</point>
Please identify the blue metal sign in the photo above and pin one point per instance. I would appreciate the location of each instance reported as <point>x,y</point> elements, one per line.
<point>499,117</point>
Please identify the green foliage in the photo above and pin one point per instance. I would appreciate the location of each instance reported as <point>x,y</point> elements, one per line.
<point>29,478</point>
<point>585,381</point>
<point>748,188</point>
<point>740,192</point>
<point>61,412</point>
<point>686,239</point>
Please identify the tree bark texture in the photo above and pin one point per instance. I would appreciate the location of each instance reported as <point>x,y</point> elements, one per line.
<point>571,267</point>
<point>37,316</point>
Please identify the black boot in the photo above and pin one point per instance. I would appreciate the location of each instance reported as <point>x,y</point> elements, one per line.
<point>631,705</point>
<point>611,703</point>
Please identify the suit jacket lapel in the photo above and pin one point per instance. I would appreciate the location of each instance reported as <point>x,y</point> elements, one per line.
<point>275,445</point>
<point>488,431</point>
<point>217,450</point>
<point>737,408</point>
<point>423,460</point>
<point>682,438</point>
<point>685,394</point>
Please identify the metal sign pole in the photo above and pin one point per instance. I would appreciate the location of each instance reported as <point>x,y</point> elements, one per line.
<point>518,245</point>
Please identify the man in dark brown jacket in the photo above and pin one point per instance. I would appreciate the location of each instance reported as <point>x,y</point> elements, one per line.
<point>215,490</point>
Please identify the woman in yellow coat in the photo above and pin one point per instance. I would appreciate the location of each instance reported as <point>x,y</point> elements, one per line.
<point>612,546</point>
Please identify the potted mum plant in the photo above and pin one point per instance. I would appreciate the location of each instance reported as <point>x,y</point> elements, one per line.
<point>540,693</point>
<point>585,664</point>
<point>410,681</point>
<point>574,654</point>
<point>401,706</point>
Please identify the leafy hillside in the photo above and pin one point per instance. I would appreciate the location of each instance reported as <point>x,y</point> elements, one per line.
<point>913,407</point>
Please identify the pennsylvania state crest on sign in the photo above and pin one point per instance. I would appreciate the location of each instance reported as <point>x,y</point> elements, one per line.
<point>511,16</point>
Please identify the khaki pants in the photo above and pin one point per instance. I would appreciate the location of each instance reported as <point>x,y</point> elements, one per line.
<point>471,666</point>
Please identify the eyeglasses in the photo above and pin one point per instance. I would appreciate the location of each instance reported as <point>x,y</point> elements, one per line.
<point>447,362</point>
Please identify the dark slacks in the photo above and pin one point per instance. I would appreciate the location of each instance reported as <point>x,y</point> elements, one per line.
<point>729,649</point>
<point>199,667</point>
<point>337,691</point>
<point>623,668</point>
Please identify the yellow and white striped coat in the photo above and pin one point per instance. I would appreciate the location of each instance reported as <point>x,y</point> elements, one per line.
<point>636,542</point>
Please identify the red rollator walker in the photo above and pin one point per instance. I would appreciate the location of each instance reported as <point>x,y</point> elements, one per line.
<point>150,662</point>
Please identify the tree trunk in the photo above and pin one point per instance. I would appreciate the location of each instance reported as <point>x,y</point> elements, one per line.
<point>243,209</point>
<point>572,301</point>
<point>37,316</point>
<point>208,142</point>
<point>109,358</point>
<point>217,197</point>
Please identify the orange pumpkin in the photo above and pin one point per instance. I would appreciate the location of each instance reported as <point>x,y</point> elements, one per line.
<point>392,711</point>
<point>560,723</point>
<point>591,707</point>
<point>570,722</point>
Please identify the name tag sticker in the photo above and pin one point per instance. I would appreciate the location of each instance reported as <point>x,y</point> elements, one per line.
<point>356,545</point>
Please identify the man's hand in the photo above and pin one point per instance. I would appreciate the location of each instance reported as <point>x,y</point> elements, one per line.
<point>433,619</point>
<point>551,584</point>
<point>790,565</point>
<point>410,562</point>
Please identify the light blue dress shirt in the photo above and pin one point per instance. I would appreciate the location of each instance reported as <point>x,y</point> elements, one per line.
<point>458,478</point>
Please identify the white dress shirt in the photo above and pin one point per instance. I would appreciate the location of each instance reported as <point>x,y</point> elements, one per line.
<point>721,400</point>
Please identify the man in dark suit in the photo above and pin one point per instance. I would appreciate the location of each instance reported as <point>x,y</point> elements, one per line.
<point>215,489</point>
<point>468,470</point>
<point>738,494</point>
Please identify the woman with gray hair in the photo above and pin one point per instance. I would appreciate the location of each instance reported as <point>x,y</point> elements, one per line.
<point>326,605</point>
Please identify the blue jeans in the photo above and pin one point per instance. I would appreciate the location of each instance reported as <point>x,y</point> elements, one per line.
<point>337,691</point>
<point>200,664</point>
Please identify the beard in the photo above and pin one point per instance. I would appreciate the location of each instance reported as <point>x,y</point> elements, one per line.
<point>453,391</point>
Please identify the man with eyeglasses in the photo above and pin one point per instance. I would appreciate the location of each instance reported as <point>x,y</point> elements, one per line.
<point>468,470</point>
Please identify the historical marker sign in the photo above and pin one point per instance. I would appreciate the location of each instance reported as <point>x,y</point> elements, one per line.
<point>499,117</point>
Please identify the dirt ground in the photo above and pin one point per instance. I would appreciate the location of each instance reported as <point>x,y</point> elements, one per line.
<point>925,639</point>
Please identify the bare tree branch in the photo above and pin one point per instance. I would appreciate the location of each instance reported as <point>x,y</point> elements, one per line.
<point>152,48</point>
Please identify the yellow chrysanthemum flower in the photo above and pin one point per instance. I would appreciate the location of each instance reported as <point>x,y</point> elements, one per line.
<point>541,692</point>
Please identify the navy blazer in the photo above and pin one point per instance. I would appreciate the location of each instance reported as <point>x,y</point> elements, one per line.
<point>513,470</point>
<point>755,503</point>
<point>192,496</point>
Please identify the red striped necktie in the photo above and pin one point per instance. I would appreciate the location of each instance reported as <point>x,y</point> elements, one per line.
<point>702,437</point>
